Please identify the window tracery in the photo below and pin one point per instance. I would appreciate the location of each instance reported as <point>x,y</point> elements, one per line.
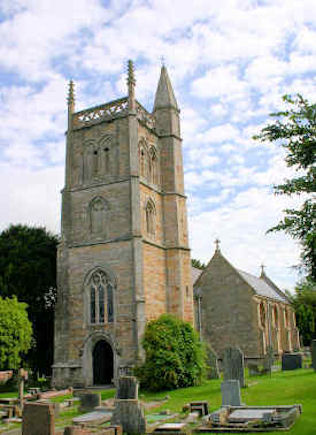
<point>101,298</point>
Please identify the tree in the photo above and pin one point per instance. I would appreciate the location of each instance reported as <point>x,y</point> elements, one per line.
<point>175,357</point>
<point>28,270</point>
<point>295,128</point>
<point>15,332</point>
<point>197,264</point>
<point>304,302</point>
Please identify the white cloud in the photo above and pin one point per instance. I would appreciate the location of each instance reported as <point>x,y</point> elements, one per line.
<point>221,81</point>
<point>230,62</point>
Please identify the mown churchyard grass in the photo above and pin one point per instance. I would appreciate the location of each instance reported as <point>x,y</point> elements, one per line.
<point>283,388</point>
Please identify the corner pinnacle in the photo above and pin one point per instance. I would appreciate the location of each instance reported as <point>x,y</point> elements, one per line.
<point>71,96</point>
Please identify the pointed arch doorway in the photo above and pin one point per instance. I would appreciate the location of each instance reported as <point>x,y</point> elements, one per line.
<point>102,361</point>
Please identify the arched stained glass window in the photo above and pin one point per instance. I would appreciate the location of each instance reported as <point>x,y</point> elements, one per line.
<point>101,298</point>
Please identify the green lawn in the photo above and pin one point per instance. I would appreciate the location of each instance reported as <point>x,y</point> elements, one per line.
<point>283,388</point>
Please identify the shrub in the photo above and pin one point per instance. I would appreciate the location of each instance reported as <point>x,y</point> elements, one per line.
<point>175,357</point>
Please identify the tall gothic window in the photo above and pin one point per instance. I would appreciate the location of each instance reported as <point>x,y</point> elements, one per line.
<point>142,162</point>
<point>101,298</point>
<point>150,213</point>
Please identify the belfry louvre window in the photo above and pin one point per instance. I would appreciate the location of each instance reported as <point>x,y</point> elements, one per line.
<point>101,298</point>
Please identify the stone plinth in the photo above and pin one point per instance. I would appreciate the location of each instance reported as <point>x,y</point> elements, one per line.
<point>231,393</point>
<point>129,414</point>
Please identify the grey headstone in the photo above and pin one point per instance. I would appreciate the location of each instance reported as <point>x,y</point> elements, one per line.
<point>233,363</point>
<point>38,419</point>
<point>313,349</point>
<point>88,401</point>
<point>129,413</point>
<point>212,371</point>
<point>292,361</point>
<point>231,393</point>
<point>127,388</point>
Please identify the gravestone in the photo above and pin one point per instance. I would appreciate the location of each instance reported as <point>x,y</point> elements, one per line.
<point>88,401</point>
<point>127,388</point>
<point>128,411</point>
<point>212,371</point>
<point>129,414</point>
<point>231,393</point>
<point>38,419</point>
<point>233,364</point>
<point>292,361</point>
<point>313,349</point>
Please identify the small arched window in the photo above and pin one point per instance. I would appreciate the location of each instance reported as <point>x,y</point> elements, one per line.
<point>101,298</point>
<point>150,218</point>
<point>262,314</point>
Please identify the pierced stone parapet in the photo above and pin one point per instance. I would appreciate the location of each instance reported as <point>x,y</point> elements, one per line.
<point>105,112</point>
<point>144,116</point>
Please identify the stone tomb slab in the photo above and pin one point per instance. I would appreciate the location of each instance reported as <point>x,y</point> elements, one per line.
<point>94,418</point>
<point>171,428</point>
<point>242,415</point>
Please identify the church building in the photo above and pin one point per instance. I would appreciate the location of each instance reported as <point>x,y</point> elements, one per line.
<point>124,257</point>
<point>235,308</point>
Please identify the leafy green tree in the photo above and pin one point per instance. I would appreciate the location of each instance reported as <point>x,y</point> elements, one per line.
<point>295,129</point>
<point>175,357</point>
<point>197,264</point>
<point>28,270</point>
<point>15,332</point>
<point>304,302</point>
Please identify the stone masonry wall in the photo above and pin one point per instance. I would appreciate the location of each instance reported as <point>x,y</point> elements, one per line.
<point>227,308</point>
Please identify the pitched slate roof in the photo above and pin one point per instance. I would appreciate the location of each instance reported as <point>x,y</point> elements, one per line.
<point>262,288</point>
<point>195,273</point>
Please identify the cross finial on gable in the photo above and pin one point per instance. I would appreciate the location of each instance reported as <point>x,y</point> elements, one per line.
<point>217,243</point>
<point>262,269</point>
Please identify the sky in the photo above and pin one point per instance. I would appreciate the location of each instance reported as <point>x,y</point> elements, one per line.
<point>229,61</point>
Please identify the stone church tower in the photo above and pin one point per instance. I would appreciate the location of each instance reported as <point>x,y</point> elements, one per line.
<point>124,257</point>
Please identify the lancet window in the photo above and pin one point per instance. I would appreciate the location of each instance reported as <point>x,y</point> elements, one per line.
<point>150,213</point>
<point>262,313</point>
<point>153,166</point>
<point>101,298</point>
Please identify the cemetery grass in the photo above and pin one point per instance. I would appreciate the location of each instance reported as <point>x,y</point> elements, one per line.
<point>283,388</point>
